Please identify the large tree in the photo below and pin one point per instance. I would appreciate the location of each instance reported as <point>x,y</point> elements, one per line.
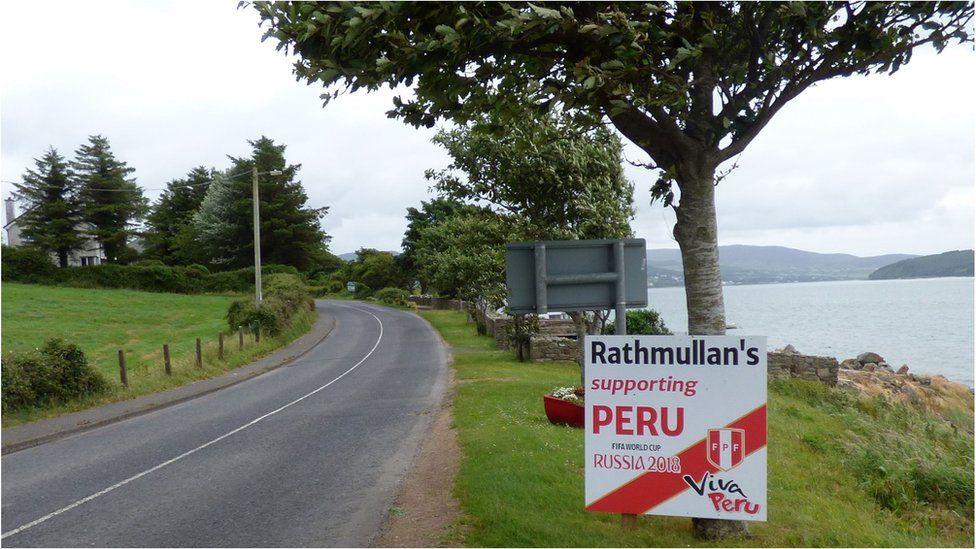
<point>111,203</point>
<point>51,215</point>
<point>690,83</point>
<point>429,214</point>
<point>376,269</point>
<point>464,256</point>
<point>553,178</point>
<point>290,229</point>
<point>557,179</point>
<point>171,216</point>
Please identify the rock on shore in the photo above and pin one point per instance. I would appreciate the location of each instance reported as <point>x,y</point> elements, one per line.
<point>870,375</point>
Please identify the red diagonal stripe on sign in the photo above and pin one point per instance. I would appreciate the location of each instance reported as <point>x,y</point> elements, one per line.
<point>653,488</point>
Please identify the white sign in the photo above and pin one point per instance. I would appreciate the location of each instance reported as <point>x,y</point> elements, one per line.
<point>676,425</point>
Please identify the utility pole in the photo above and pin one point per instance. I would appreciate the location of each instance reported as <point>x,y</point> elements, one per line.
<point>258,296</point>
<point>257,237</point>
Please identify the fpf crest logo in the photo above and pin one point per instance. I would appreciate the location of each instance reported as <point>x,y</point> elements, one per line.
<point>726,447</point>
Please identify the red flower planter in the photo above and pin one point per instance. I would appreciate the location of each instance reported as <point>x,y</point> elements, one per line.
<point>561,412</point>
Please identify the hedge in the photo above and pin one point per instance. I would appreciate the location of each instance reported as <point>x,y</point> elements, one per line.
<point>32,266</point>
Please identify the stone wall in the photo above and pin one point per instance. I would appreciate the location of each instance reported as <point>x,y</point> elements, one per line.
<point>437,303</point>
<point>497,327</point>
<point>545,348</point>
<point>782,365</point>
<point>556,327</point>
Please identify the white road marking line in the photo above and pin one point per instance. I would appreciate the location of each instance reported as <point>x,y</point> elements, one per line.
<point>119,484</point>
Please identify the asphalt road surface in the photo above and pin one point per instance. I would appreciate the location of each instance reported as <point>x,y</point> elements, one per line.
<point>309,454</point>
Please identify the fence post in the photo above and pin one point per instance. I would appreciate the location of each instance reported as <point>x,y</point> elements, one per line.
<point>220,346</point>
<point>168,366</point>
<point>199,355</point>
<point>257,333</point>
<point>240,338</point>
<point>122,376</point>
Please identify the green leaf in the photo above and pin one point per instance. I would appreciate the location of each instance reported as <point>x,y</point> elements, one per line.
<point>446,30</point>
<point>545,12</point>
<point>327,75</point>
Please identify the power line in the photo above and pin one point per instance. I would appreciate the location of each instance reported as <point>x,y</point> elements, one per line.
<point>188,185</point>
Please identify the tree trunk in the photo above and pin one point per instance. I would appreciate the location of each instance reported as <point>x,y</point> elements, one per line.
<point>62,258</point>
<point>696,231</point>
<point>697,234</point>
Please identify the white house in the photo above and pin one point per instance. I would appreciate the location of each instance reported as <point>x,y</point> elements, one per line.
<point>91,252</point>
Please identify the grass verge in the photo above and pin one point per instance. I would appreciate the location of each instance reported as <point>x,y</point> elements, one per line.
<point>843,471</point>
<point>103,321</point>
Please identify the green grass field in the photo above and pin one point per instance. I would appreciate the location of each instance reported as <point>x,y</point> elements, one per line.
<point>842,471</point>
<point>103,321</point>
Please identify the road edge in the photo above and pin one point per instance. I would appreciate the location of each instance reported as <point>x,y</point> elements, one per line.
<point>399,526</point>
<point>21,437</point>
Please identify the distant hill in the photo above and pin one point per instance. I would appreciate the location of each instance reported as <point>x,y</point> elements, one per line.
<point>769,264</point>
<point>351,256</point>
<point>954,263</point>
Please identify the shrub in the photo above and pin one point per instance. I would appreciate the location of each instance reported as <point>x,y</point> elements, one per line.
<point>58,371</point>
<point>393,296</point>
<point>275,268</point>
<point>284,295</point>
<point>15,384</point>
<point>271,317</point>
<point>362,291</point>
<point>199,268</point>
<point>289,289</point>
<point>26,264</point>
<point>334,286</point>
<point>641,322</point>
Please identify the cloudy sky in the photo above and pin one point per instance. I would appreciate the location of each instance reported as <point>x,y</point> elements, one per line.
<point>863,165</point>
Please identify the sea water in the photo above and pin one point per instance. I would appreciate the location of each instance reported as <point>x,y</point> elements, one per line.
<point>924,323</point>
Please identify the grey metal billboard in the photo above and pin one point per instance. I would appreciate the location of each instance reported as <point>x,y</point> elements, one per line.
<point>576,275</point>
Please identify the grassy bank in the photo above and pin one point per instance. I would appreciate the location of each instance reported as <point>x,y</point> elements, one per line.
<point>103,321</point>
<point>843,471</point>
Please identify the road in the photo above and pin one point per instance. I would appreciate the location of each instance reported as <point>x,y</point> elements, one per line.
<point>309,454</point>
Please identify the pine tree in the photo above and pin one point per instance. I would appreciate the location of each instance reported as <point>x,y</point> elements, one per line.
<point>290,230</point>
<point>172,214</point>
<point>51,211</point>
<point>111,203</point>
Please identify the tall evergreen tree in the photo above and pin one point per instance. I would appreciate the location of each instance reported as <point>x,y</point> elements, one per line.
<point>172,214</point>
<point>51,209</point>
<point>290,230</point>
<point>111,203</point>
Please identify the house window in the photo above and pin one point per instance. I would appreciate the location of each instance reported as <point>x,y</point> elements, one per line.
<point>88,260</point>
